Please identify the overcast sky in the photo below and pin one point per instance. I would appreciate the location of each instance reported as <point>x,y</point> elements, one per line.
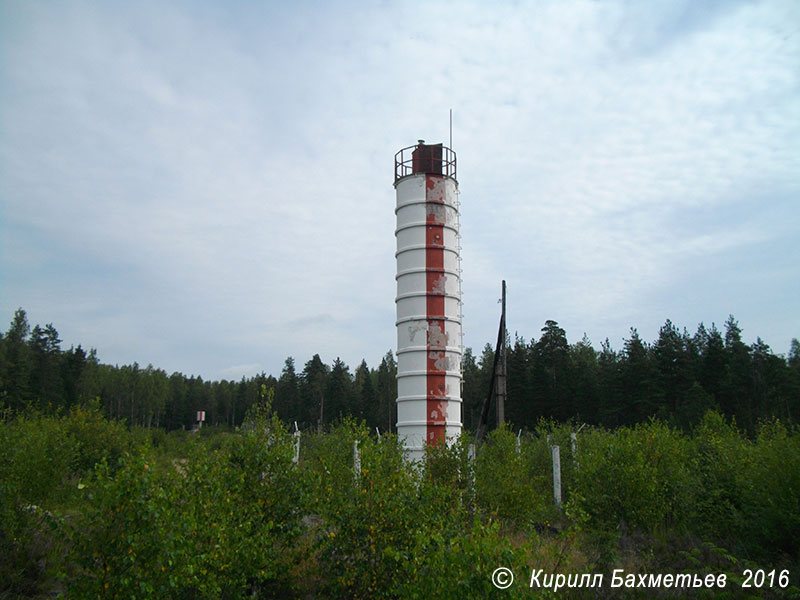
<point>207,186</point>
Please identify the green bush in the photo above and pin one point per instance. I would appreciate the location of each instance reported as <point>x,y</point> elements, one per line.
<point>772,497</point>
<point>639,478</point>
<point>221,526</point>
<point>508,483</point>
<point>370,535</point>
<point>121,540</point>
<point>724,461</point>
<point>96,439</point>
<point>131,514</point>
<point>750,490</point>
<point>328,460</point>
<point>460,565</point>
<point>449,467</point>
<point>409,532</point>
<point>35,456</point>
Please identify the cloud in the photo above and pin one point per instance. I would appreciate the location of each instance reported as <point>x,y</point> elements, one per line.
<point>213,186</point>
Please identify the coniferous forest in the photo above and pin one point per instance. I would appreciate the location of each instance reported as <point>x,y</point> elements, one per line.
<point>675,378</point>
<point>679,476</point>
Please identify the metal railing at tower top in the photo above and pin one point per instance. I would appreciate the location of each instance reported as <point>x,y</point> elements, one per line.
<point>434,159</point>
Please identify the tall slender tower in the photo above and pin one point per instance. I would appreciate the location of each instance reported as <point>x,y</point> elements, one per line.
<point>429,344</point>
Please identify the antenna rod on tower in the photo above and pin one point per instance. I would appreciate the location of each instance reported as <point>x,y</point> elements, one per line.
<point>451,129</point>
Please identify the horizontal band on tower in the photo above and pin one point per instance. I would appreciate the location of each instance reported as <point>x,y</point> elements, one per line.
<point>452,249</point>
<point>416,270</point>
<point>421,200</point>
<point>451,373</point>
<point>419,449</point>
<point>451,175</point>
<point>426,295</point>
<point>424,348</point>
<point>426,318</point>
<point>424,398</point>
<point>425,224</point>
<point>437,423</point>
<point>420,374</point>
<point>440,374</point>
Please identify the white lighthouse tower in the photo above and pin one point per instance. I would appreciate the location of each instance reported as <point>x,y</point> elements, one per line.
<point>429,344</point>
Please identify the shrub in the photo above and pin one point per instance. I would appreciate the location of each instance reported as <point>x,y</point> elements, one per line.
<point>35,454</point>
<point>450,467</point>
<point>408,533</point>
<point>639,477</point>
<point>461,565</point>
<point>369,536</point>
<point>122,542</point>
<point>508,484</point>
<point>724,460</point>
<point>95,438</point>
<point>232,516</point>
<point>772,499</point>
<point>327,458</point>
<point>222,526</point>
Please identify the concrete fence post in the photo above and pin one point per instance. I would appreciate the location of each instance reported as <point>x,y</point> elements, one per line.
<point>573,442</point>
<point>356,463</point>
<point>556,474</point>
<point>296,436</point>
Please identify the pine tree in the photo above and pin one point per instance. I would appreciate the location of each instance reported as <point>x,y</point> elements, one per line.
<point>792,394</point>
<point>386,387</point>
<point>737,384</point>
<point>609,411</point>
<point>636,381</point>
<point>339,396</point>
<point>287,393</point>
<point>519,400</point>
<point>15,370</point>
<point>584,385</point>
<point>72,366</point>
<point>673,376</point>
<point>313,384</point>
<point>551,372</point>
<point>366,405</point>
<point>472,394</point>
<point>712,364</point>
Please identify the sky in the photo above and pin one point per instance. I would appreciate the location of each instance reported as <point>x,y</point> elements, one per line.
<point>208,186</point>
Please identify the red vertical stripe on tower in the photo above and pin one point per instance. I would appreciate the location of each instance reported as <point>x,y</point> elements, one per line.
<point>435,290</point>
